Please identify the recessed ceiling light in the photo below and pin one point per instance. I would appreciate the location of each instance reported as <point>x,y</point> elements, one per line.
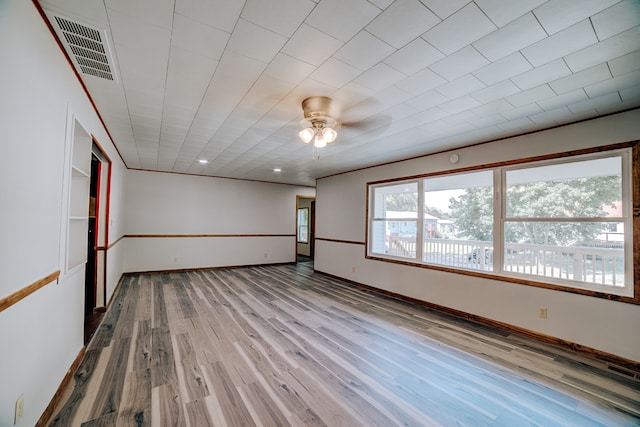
<point>203,161</point>
<point>277,170</point>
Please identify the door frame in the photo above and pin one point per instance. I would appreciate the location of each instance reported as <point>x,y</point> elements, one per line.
<point>312,225</point>
<point>102,224</point>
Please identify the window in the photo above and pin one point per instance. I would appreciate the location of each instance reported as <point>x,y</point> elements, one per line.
<point>559,220</point>
<point>303,225</point>
<point>562,222</point>
<point>458,220</point>
<point>394,226</point>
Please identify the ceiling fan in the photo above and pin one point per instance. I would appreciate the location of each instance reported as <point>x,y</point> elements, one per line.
<point>319,125</point>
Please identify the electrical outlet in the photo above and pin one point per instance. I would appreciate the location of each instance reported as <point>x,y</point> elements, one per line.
<point>542,312</point>
<point>265,254</point>
<point>353,269</point>
<point>19,409</point>
<point>175,259</point>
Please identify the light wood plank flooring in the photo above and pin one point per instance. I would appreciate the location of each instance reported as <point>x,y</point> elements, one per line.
<point>281,345</point>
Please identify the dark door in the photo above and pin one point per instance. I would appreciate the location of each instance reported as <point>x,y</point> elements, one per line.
<point>91,271</point>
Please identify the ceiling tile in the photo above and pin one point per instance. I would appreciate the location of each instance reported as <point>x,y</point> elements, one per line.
<point>289,69</point>
<point>550,117</point>
<point>460,118</point>
<point>460,63</point>
<point>421,82</point>
<point>540,75</point>
<point>618,83</point>
<point>196,37</point>
<point>604,101</point>
<point>522,111</point>
<point>563,43</point>
<point>364,51</point>
<point>382,4</point>
<point>564,99</point>
<point>410,15</point>
<point>520,125</point>
<point>158,13</point>
<point>461,104</point>
<point>342,19</point>
<point>460,29</point>
<point>616,19</point>
<point>611,48</point>
<point>581,79</point>
<point>512,37</point>
<point>497,91</point>
<point>631,95</point>
<point>324,45</point>
<point>502,12</point>
<point>196,70</point>
<point>503,69</point>
<point>430,115</point>
<point>414,57</point>
<point>556,15</point>
<point>255,42</point>
<point>492,108</point>
<point>379,77</point>
<point>531,95</point>
<point>335,73</point>
<point>460,87</point>
<point>280,16</point>
<point>625,64</point>
<point>220,14</point>
<point>445,8</point>
<point>427,100</point>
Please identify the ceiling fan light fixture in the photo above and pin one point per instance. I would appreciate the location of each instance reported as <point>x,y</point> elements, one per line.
<point>329,134</point>
<point>320,124</point>
<point>320,142</point>
<point>306,135</point>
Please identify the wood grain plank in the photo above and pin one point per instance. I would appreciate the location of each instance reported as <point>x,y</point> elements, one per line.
<point>188,369</point>
<point>113,380</point>
<point>135,410</point>
<point>233,408</point>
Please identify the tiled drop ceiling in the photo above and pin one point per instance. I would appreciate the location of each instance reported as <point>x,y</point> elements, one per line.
<point>223,80</point>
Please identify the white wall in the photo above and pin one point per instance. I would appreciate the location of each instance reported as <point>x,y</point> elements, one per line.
<point>41,335</point>
<point>594,322</point>
<point>170,204</point>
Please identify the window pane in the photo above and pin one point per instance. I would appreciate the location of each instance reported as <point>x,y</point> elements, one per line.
<point>396,201</point>
<point>394,228</point>
<point>587,189</point>
<point>591,252</point>
<point>397,238</point>
<point>458,220</point>
<point>303,225</point>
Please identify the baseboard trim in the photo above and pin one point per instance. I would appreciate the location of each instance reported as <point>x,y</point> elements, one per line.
<point>578,348</point>
<point>57,397</point>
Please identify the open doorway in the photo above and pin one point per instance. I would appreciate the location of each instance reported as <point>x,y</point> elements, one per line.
<point>305,228</point>
<point>95,270</point>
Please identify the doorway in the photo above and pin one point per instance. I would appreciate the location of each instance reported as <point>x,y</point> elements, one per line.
<point>305,228</point>
<point>95,269</point>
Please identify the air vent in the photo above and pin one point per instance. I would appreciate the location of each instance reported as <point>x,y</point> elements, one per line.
<point>88,47</point>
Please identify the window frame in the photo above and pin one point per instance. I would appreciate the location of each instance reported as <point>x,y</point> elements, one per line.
<point>305,215</point>
<point>630,152</point>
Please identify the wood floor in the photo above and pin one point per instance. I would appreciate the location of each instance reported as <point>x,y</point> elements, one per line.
<point>281,345</point>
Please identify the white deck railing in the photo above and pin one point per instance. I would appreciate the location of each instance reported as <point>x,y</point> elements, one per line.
<point>604,266</point>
